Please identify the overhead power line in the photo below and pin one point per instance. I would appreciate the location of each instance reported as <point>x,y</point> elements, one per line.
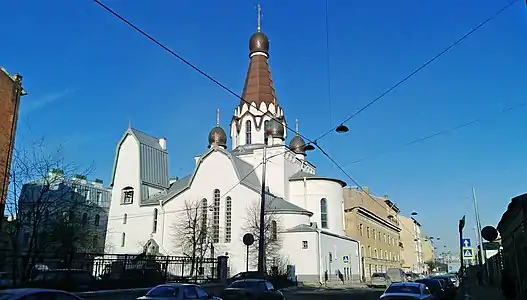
<point>436,134</point>
<point>423,66</point>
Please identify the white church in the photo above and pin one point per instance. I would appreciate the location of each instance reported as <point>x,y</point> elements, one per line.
<point>307,208</point>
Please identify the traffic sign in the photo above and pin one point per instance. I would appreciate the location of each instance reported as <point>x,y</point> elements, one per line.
<point>450,268</point>
<point>465,242</point>
<point>468,253</point>
<point>346,259</point>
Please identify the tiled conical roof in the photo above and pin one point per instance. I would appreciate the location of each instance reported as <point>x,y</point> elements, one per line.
<point>259,87</point>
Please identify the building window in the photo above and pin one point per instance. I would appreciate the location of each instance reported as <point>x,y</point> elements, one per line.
<point>324,213</point>
<point>204,208</point>
<point>97,220</point>
<point>154,224</point>
<point>128,195</point>
<point>123,239</point>
<point>368,232</point>
<point>84,219</point>
<point>361,229</point>
<point>376,255</point>
<point>99,198</point>
<point>384,235</point>
<point>304,245</point>
<point>228,219</point>
<point>265,126</point>
<point>369,251</point>
<point>374,235</point>
<point>362,254</point>
<point>216,217</point>
<point>125,218</point>
<point>274,231</point>
<point>248,128</point>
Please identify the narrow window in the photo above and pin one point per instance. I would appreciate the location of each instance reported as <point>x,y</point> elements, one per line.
<point>128,195</point>
<point>248,129</point>
<point>99,198</point>
<point>125,218</point>
<point>84,219</point>
<point>361,230</point>
<point>374,235</point>
<point>154,225</point>
<point>97,220</point>
<point>265,126</point>
<point>123,239</point>
<point>204,208</point>
<point>304,245</point>
<point>368,231</point>
<point>324,213</point>
<point>375,253</point>
<point>228,219</point>
<point>216,217</point>
<point>274,231</point>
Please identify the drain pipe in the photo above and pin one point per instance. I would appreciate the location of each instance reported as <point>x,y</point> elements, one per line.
<point>319,255</point>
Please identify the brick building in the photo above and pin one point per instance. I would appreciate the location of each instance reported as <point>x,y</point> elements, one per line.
<point>10,92</point>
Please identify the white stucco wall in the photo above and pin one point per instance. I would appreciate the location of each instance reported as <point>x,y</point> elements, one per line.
<point>304,260</point>
<point>339,247</point>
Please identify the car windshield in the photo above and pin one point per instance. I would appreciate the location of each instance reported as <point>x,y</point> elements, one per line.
<point>403,289</point>
<point>163,291</point>
<point>249,285</point>
<point>378,275</point>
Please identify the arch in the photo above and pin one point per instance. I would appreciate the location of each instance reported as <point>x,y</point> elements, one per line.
<point>324,213</point>
<point>248,132</point>
<point>216,217</point>
<point>125,218</point>
<point>97,220</point>
<point>154,223</point>
<point>274,231</point>
<point>84,219</point>
<point>228,219</point>
<point>127,195</point>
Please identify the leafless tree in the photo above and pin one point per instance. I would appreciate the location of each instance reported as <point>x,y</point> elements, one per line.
<point>272,237</point>
<point>192,233</point>
<point>43,209</point>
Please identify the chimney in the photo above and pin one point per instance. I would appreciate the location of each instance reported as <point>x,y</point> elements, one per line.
<point>163,143</point>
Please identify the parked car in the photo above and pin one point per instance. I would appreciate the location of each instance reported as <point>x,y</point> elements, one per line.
<point>177,291</point>
<point>36,294</point>
<point>448,286</point>
<point>250,289</point>
<point>379,280</point>
<point>407,291</point>
<point>436,287</point>
<point>396,275</point>
<point>61,279</point>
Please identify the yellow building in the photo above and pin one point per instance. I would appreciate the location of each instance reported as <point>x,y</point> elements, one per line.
<point>428,250</point>
<point>412,246</point>
<point>373,221</point>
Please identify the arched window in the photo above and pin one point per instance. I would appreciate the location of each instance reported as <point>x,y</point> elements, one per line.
<point>125,218</point>
<point>274,231</point>
<point>361,229</point>
<point>127,196</point>
<point>154,224</point>
<point>228,219</point>
<point>374,235</point>
<point>216,217</point>
<point>265,126</point>
<point>368,232</point>
<point>97,220</point>
<point>84,219</point>
<point>248,129</point>
<point>362,254</point>
<point>375,253</point>
<point>369,251</point>
<point>123,239</point>
<point>324,213</point>
<point>204,209</point>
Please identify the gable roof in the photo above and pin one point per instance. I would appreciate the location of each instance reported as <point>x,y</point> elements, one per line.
<point>244,171</point>
<point>281,206</point>
<point>144,141</point>
<point>300,175</point>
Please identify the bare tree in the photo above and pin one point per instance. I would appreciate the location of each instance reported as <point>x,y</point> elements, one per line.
<point>192,233</point>
<point>272,237</point>
<point>42,208</point>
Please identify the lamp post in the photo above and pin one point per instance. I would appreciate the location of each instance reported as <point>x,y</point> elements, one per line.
<point>461,225</point>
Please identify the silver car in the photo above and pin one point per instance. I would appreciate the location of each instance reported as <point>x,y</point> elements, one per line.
<point>407,291</point>
<point>379,280</point>
<point>177,291</point>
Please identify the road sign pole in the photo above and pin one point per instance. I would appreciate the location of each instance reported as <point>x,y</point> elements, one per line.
<point>461,225</point>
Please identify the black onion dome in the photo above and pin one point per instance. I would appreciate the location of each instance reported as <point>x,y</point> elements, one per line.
<point>259,43</point>
<point>275,128</point>
<point>298,145</point>
<point>217,137</point>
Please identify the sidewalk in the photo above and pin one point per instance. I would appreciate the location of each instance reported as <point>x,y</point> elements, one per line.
<point>472,291</point>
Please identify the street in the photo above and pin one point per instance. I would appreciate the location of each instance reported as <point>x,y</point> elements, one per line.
<point>335,293</point>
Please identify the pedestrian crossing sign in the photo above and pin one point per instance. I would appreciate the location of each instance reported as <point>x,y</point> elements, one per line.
<point>468,253</point>
<point>346,259</point>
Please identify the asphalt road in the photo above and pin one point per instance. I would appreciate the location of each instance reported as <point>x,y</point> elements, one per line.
<point>334,294</point>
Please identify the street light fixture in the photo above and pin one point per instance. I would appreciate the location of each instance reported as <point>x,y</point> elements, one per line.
<point>342,128</point>
<point>414,213</point>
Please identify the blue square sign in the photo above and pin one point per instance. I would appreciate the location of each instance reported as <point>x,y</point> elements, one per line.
<point>465,242</point>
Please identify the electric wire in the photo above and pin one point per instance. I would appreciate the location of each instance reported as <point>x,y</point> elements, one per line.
<point>435,134</point>
<point>423,66</point>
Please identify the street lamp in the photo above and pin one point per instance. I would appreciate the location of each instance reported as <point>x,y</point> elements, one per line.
<point>342,128</point>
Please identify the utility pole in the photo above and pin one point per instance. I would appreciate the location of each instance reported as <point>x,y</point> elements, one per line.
<point>483,256</point>
<point>261,238</point>
<point>461,225</point>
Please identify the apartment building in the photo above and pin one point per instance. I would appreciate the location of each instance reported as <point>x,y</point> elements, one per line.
<point>412,246</point>
<point>373,221</point>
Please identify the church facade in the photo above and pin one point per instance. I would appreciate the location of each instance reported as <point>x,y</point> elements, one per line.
<point>218,203</point>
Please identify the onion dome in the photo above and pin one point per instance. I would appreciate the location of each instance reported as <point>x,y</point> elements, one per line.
<point>217,136</point>
<point>259,43</point>
<point>274,128</point>
<point>297,144</point>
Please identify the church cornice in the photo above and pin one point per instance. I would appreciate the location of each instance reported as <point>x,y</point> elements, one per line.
<point>258,124</point>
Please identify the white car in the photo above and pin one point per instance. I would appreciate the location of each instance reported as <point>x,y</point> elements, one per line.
<point>177,291</point>
<point>407,291</point>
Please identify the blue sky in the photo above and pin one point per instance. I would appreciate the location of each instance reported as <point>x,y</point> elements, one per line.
<point>88,74</point>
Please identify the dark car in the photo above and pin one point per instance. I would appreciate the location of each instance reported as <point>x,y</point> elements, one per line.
<point>59,279</point>
<point>247,275</point>
<point>448,286</point>
<point>250,289</point>
<point>435,286</point>
<point>40,294</point>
